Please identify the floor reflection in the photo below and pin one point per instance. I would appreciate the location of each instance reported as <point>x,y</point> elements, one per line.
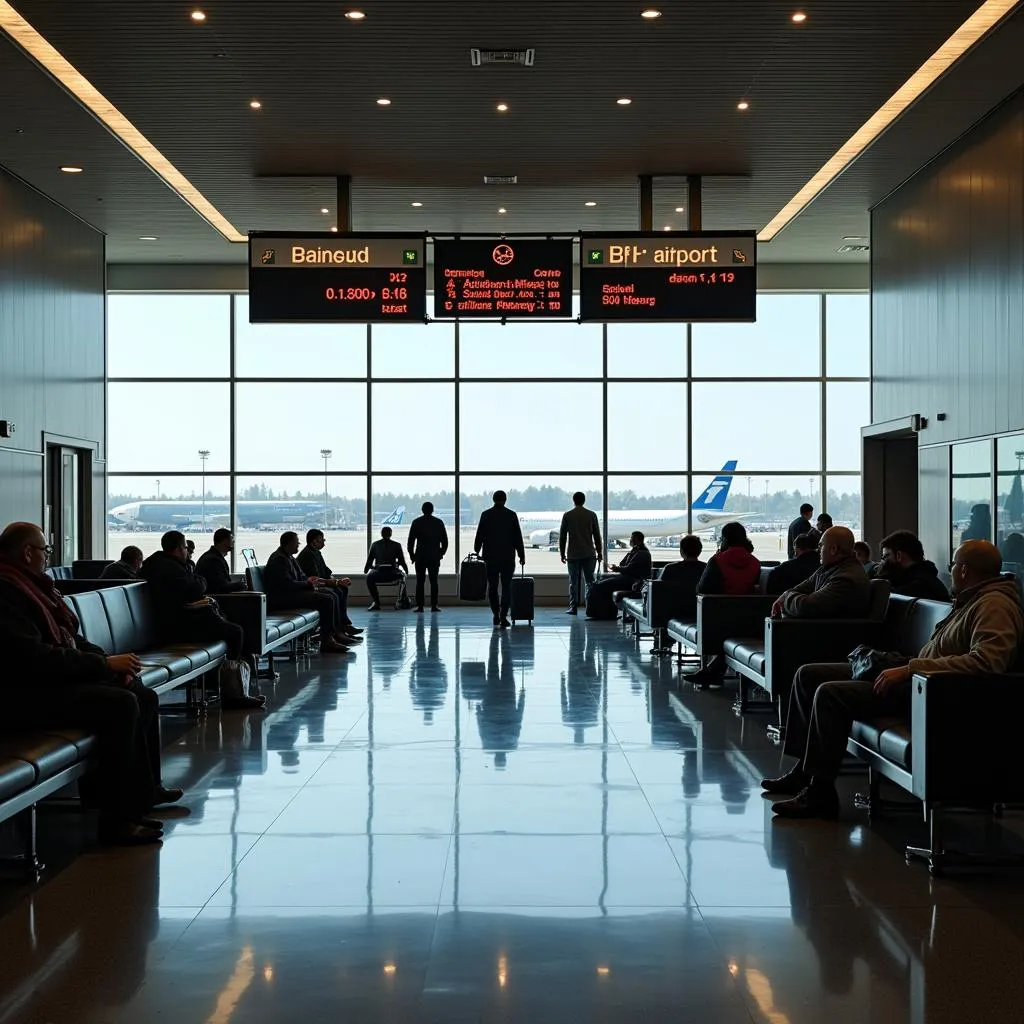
<point>548,827</point>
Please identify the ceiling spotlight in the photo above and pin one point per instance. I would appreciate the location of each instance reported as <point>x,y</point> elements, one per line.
<point>197,15</point>
<point>501,209</point>
<point>323,209</point>
<point>383,102</point>
<point>355,15</point>
<point>650,13</point>
<point>668,227</point>
<point>72,170</point>
<point>680,209</point>
<point>417,205</point>
<point>335,228</point>
<point>743,105</point>
<point>502,107</point>
<point>623,101</point>
<point>255,104</point>
<point>147,238</point>
<point>591,203</point>
<point>799,17</point>
<point>855,238</point>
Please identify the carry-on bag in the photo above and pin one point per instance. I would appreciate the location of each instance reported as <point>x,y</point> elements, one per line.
<point>472,579</point>
<point>520,605</point>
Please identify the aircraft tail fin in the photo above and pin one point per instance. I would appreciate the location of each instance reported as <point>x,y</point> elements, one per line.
<point>396,517</point>
<point>713,497</point>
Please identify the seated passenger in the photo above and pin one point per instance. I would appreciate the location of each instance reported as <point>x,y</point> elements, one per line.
<point>213,569</point>
<point>628,574</point>
<point>57,679</point>
<point>126,567</point>
<point>907,570</point>
<point>691,568</point>
<point>732,569</point>
<point>287,587</point>
<point>190,556</point>
<point>838,590</point>
<point>797,569</point>
<point>382,565</point>
<point>863,552</point>
<point>982,635</point>
<point>311,562</point>
<point>186,613</point>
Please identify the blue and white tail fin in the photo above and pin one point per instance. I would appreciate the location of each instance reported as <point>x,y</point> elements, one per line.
<point>712,499</point>
<point>396,517</point>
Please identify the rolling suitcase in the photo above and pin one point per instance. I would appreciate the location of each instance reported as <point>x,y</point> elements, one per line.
<point>600,603</point>
<point>520,604</point>
<point>473,579</point>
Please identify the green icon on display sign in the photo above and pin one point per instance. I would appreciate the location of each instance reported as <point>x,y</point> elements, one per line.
<point>595,256</point>
<point>410,256</point>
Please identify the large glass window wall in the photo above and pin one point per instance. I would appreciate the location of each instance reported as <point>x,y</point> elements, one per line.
<point>214,421</point>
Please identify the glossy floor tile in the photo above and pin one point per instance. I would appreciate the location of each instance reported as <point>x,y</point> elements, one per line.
<point>463,825</point>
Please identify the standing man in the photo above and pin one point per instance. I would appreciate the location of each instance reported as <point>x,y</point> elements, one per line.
<point>428,542</point>
<point>212,566</point>
<point>802,524</point>
<point>500,537</point>
<point>382,565</point>
<point>579,544</point>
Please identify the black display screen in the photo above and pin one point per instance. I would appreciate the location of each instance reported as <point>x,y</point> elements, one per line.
<point>695,277</point>
<point>518,278</point>
<point>335,278</point>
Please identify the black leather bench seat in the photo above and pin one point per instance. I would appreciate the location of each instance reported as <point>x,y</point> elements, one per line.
<point>15,776</point>
<point>633,605</point>
<point>889,737</point>
<point>683,631</point>
<point>46,753</point>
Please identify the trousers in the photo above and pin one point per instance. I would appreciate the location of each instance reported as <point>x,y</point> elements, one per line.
<point>581,576</point>
<point>424,569</point>
<point>205,624</point>
<point>381,574</point>
<point>127,727</point>
<point>500,573</point>
<point>823,705</point>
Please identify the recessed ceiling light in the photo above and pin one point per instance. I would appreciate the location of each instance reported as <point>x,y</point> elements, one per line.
<point>623,101</point>
<point>591,203</point>
<point>650,13</point>
<point>799,17</point>
<point>680,209</point>
<point>335,228</point>
<point>198,15</point>
<point>71,170</point>
<point>355,15</point>
<point>502,107</point>
<point>743,105</point>
<point>501,209</point>
<point>323,209</point>
<point>668,227</point>
<point>148,238</point>
<point>255,104</point>
<point>855,238</point>
<point>963,39</point>
<point>383,102</point>
<point>417,204</point>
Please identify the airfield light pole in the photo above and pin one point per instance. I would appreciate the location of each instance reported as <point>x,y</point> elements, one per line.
<point>325,454</point>
<point>158,489</point>
<point>749,506</point>
<point>204,454</point>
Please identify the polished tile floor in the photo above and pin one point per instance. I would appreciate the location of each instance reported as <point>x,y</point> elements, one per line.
<point>460,825</point>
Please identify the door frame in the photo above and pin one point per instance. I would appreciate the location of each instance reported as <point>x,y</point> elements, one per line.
<point>88,454</point>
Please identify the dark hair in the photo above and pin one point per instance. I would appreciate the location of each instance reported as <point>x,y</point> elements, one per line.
<point>805,542</point>
<point>386,531</point>
<point>288,536</point>
<point>690,546</point>
<point>222,535</point>
<point>905,542</point>
<point>579,498</point>
<point>637,533</point>
<point>428,508</point>
<point>16,536</point>
<point>130,553</point>
<point>499,497</point>
<point>734,536</point>
<point>863,547</point>
<point>311,535</point>
<point>806,509</point>
<point>825,519</point>
<point>172,540</point>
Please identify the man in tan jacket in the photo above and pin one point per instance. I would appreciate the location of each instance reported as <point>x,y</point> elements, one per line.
<point>981,636</point>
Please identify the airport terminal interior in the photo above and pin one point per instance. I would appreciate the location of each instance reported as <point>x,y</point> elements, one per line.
<point>300,269</point>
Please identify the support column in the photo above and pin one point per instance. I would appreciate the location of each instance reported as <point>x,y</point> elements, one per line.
<point>646,202</point>
<point>693,203</point>
<point>344,218</point>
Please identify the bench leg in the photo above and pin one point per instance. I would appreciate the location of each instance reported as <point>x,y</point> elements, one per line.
<point>28,862</point>
<point>935,852</point>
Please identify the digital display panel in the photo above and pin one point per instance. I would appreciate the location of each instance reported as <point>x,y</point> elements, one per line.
<point>503,277</point>
<point>689,276</point>
<point>332,278</point>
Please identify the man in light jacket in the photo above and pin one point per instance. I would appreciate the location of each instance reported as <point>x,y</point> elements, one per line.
<point>579,544</point>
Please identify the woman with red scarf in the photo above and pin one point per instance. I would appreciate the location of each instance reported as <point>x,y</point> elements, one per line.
<point>51,677</point>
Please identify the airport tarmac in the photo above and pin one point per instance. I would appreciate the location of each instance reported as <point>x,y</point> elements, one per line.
<point>346,549</point>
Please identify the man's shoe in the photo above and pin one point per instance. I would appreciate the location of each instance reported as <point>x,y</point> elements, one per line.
<point>333,647</point>
<point>347,638</point>
<point>504,624</point>
<point>374,607</point>
<point>245,703</point>
<point>497,621</point>
<point>355,630</point>
<point>790,784</point>
<point>128,833</point>
<point>572,611</point>
<point>419,609</point>
<point>167,795</point>
<point>813,801</point>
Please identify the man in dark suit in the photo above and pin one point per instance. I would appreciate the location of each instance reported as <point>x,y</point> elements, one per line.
<point>213,567</point>
<point>804,564</point>
<point>311,562</point>
<point>500,537</point>
<point>428,543</point>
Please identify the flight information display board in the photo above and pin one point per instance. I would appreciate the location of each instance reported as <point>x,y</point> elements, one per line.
<point>332,278</point>
<point>691,276</point>
<point>503,277</point>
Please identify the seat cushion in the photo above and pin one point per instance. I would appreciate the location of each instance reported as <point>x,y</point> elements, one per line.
<point>83,740</point>
<point>756,662</point>
<point>866,734</point>
<point>15,777</point>
<point>46,752</point>
<point>92,618</point>
<point>153,675</point>
<point>119,619</point>
<point>633,605</point>
<point>273,632</point>
<point>895,744</point>
<point>747,651</point>
<point>681,629</point>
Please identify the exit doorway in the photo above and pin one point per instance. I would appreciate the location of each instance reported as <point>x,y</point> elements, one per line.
<point>65,524</point>
<point>890,481</point>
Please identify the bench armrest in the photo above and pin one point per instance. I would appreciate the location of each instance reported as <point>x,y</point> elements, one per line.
<point>669,601</point>
<point>247,609</point>
<point>966,737</point>
<point>721,616</point>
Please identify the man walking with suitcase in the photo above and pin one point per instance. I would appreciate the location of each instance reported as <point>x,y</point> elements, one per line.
<point>579,544</point>
<point>500,537</point>
<point>428,542</point>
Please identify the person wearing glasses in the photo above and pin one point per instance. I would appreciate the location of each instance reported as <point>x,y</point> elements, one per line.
<point>981,636</point>
<point>60,680</point>
<point>903,564</point>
